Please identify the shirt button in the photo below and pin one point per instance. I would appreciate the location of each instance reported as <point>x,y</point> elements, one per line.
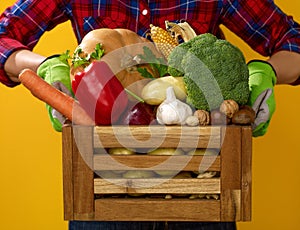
<point>145,12</point>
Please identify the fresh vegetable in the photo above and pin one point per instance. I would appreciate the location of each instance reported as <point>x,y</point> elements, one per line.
<point>100,93</point>
<point>167,39</point>
<point>120,151</point>
<point>120,47</point>
<point>163,40</point>
<point>202,152</point>
<point>61,102</point>
<point>166,173</point>
<point>158,65</point>
<point>166,152</point>
<point>154,92</point>
<point>213,69</point>
<point>81,60</point>
<point>138,114</point>
<point>172,111</point>
<point>138,174</point>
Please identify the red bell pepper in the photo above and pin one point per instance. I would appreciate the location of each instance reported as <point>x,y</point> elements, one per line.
<point>100,93</point>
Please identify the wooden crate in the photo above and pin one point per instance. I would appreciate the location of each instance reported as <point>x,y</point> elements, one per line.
<point>81,185</point>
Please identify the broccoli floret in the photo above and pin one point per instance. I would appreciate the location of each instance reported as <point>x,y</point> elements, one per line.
<point>175,59</point>
<point>213,69</point>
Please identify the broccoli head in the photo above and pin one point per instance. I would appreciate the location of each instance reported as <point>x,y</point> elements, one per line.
<point>213,69</point>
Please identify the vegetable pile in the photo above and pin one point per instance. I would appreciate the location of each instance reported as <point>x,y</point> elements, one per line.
<point>200,81</point>
<point>104,77</point>
<point>206,73</point>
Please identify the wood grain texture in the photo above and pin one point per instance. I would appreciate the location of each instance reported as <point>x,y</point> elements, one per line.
<point>157,186</point>
<point>157,136</point>
<point>157,210</point>
<point>246,181</point>
<point>80,145</point>
<point>83,175</point>
<point>137,162</point>
<point>230,172</point>
<point>231,158</point>
<point>67,157</point>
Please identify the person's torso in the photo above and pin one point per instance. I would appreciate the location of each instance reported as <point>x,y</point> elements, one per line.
<point>87,15</point>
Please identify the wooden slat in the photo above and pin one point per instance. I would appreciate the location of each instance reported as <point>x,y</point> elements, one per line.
<point>230,205</point>
<point>246,181</point>
<point>157,136</point>
<point>157,210</point>
<point>230,172</point>
<point>67,143</point>
<point>231,158</point>
<point>136,162</point>
<point>83,175</point>
<point>157,186</point>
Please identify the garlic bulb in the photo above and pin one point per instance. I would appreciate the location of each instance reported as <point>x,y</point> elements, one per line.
<point>172,111</point>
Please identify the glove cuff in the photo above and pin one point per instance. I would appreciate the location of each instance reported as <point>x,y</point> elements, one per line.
<point>255,66</point>
<point>48,58</point>
<point>49,63</point>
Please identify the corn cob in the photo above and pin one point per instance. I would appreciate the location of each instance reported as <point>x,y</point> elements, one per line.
<point>163,40</point>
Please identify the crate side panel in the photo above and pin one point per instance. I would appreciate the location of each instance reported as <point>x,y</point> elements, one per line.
<point>83,175</point>
<point>246,182</point>
<point>230,173</point>
<point>67,152</point>
<point>157,210</point>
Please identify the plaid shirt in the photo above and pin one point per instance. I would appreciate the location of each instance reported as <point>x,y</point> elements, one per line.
<point>260,23</point>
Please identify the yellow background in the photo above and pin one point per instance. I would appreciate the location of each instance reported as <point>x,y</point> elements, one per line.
<point>30,153</point>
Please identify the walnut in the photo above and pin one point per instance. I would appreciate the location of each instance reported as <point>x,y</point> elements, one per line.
<point>229,107</point>
<point>203,117</point>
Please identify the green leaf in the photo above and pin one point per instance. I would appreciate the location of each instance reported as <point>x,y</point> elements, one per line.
<point>144,72</point>
<point>65,56</point>
<point>81,59</point>
<point>98,53</point>
<point>162,69</point>
<point>158,65</point>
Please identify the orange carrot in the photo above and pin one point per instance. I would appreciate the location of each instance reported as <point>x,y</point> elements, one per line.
<point>58,100</point>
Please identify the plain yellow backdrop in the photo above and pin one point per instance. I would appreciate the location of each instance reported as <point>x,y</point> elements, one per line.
<point>30,153</point>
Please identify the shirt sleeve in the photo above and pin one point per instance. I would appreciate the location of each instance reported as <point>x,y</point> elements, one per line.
<point>22,24</point>
<point>262,25</point>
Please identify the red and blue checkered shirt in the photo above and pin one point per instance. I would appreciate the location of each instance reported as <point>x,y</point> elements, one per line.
<point>260,23</point>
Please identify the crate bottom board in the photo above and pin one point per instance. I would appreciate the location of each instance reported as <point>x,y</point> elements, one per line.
<point>109,209</point>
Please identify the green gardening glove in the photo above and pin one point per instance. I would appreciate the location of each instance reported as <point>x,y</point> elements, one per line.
<point>262,79</point>
<point>56,71</point>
